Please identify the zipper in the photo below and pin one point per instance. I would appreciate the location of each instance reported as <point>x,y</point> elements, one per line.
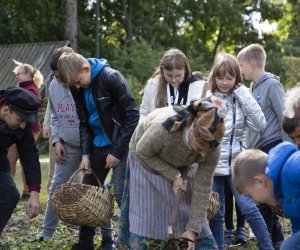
<point>232,134</point>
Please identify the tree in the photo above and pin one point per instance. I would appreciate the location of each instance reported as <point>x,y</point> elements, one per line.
<point>71,22</point>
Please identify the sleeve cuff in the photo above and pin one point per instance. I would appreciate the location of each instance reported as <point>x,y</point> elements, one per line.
<point>34,187</point>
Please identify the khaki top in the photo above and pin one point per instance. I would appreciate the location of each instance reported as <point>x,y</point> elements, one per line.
<point>167,153</point>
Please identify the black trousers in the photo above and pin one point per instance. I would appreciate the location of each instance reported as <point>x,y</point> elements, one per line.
<point>98,162</point>
<point>9,197</point>
<point>240,219</point>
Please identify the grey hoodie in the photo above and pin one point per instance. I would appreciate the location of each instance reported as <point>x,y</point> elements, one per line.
<point>64,119</point>
<point>269,94</point>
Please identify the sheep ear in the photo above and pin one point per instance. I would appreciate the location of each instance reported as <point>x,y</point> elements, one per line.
<point>196,105</point>
<point>176,126</point>
<point>205,105</point>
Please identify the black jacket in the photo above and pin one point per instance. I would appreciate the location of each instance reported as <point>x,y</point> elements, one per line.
<point>28,152</point>
<point>116,107</point>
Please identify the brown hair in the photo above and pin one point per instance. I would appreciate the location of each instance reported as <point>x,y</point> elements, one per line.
<point>69,65</point>
<point>35,74</point>
<point>247,165</point>
<point>56,55</point>
<point>172,59</point>
<point>253,52</point>
<point>224,63</point>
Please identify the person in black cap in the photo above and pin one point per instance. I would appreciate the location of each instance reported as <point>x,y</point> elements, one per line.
<point>18,109</point>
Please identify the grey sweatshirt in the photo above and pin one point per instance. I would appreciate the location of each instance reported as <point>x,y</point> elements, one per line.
<point>64,119</point>
<point>269,94</point>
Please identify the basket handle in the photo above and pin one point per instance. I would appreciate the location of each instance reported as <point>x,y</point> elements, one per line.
<point>79,170</point>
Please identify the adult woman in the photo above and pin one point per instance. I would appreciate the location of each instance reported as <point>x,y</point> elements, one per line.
<point>189,136</point>
<point>31,79</point>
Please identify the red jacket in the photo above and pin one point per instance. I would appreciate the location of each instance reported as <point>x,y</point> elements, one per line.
<point>29,85</point>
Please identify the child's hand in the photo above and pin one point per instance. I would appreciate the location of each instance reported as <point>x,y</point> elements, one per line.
<point>85,165</point>
<point>111,161</point>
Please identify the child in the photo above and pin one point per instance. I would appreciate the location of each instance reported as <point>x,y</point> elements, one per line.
<point>291,118</point>
<point>64,139</point>
<point>242,111</point>
<point>270,179</point>
<point>108,116</point>
<point>269,94</point>
<point>171,84</point>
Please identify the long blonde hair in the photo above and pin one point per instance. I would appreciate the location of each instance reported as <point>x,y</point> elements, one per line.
<point>172,59</point>
<point>35,74</point>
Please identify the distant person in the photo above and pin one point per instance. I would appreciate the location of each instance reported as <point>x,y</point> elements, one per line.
<point>108,116</point>
<point>18,109</point>
<point>269,93</point>
<point>31,79</point>
<point>225,83</point>
<point>273,179</point>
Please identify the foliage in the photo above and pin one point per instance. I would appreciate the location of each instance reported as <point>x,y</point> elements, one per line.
<point>35,21</point>
<point>134,34</point>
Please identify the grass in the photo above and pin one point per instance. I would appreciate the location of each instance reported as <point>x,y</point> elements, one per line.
<point>20,231</point>
<point>44,170</point>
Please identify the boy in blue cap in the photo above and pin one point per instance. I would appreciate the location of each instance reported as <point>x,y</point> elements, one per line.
<point>18,109</point>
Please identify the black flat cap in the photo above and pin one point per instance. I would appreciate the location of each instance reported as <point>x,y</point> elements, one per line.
<point>24,103</point>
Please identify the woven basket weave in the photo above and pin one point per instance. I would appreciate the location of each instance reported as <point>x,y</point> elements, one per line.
<point>213,206</point>
<point>82,204</point>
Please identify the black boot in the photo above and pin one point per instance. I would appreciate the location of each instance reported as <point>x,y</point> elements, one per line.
<point>86,239</point>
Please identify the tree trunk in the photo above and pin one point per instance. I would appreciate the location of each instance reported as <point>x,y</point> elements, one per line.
<point>219,40</point>
<point>127,6</point>
<point>71,22</point>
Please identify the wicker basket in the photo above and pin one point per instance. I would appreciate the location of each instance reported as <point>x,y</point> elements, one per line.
<point>213,206</point>
<point>82,204</point>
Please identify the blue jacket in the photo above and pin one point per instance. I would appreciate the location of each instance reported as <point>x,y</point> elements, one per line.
<point>115,106</point>
<point>284,170</point>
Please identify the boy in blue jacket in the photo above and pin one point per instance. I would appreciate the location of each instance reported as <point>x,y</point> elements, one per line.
<point>108,116</point>
<point>273,179</point>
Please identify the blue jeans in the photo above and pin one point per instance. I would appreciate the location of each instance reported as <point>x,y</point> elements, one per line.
<point>247,208</point>
<point>292,242</point>
<point>9,197</point>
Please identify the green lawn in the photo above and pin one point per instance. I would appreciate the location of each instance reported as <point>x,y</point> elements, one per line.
<point>20,231</point>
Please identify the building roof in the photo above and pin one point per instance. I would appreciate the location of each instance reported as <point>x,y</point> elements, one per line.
<point>36,54</point>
